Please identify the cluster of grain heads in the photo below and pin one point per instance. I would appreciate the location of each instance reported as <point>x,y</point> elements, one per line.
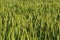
<point>29,20</point>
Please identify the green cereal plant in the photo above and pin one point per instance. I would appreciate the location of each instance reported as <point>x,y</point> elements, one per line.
<point>29,20</point>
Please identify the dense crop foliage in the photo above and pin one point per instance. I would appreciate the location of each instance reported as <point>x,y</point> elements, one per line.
<point>29,19</point>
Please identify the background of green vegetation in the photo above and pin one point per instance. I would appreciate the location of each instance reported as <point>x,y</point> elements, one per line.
<point>29,19</point>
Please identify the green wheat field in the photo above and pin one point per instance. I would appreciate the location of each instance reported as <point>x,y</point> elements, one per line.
<point>29,19</point>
